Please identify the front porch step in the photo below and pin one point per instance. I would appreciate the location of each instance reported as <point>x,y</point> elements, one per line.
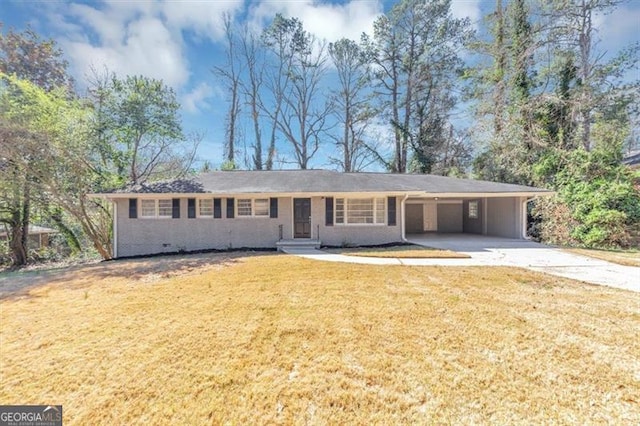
<point>297,244</point>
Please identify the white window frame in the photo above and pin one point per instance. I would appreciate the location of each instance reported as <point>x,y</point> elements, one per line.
<point>199,209</point>
<point>376,212</point>
<point>156,208</point>
<point>252,206</point>
<point>473,212</point>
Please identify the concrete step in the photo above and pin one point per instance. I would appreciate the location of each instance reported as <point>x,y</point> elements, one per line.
<point>299,244</point>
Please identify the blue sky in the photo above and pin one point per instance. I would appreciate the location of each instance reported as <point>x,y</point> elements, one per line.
<point>180,41</point>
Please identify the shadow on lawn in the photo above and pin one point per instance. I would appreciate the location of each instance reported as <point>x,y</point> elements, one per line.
<point>19,284</point>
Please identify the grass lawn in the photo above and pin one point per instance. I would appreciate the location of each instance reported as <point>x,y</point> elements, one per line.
<point>276,339</point>
<point>621,257</point>
<point>401,252</point>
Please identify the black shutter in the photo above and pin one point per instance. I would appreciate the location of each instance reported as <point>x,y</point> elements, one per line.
<point>273,208</point>
<point>391,211</point>
<point>191,208</point>
<point>217,208</point>
<point>230,208</point>
<point>133,208</point>
<point>175,208</point>
<point>328,218</point>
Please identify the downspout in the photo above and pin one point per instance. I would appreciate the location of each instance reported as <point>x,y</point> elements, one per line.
<point>402,216</point>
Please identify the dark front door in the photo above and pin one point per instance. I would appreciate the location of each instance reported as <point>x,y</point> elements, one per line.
<point>302,218</point>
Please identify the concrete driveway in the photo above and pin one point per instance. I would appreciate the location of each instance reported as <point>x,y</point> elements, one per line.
<point>495,251</point>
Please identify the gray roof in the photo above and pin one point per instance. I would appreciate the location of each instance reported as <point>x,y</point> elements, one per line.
<point>323,181</point>
<point>632,158</point>
<point>35,230</point>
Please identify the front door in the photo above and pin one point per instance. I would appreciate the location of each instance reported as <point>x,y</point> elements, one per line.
<point>302,218</point>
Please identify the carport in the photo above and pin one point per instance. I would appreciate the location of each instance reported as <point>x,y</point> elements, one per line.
<point>500,215</point>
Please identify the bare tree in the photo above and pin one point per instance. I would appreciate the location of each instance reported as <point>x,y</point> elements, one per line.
<point>352,103</point>
<point>229,72</point>
<point>298,66</point>
<point>254,62</point>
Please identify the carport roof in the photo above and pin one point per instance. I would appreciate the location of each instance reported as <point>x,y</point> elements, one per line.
<point>324,181</point>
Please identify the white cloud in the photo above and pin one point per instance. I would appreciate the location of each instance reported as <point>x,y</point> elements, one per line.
<point>137,37</point>
<point>467,9</point>
<point>127,38</point>
<point>326,21</point>
<point>204,18</point>
<point>196,100</point>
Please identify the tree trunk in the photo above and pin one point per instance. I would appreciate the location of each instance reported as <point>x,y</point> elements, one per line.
<point>18,250</point>
<point>346,144</point>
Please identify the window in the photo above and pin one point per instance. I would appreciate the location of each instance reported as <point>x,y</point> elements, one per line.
<point>156,208</point>
<point>380,210</point>
<point>165,208</point>
<point>261,207</point>
<point>205,207</point>
<point>247,207</point>
<point>339,210</point>
<point>148,208</point>
<point>473,209</point>
<point>244,207</point>
<point>360,211</point>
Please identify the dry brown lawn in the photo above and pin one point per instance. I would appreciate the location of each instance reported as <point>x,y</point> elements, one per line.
<point>627,258</point>
<point>402,252</point>
<point>276,339</point>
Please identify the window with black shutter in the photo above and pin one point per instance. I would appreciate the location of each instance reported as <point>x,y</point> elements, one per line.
<point>328,219</point>
<point>217,208</point>
<point>230,207</point>
<point>191,208</point>
<point>175,208</point>
<point>273,208</point>
<point>133,208</point>
<point>391,211</point>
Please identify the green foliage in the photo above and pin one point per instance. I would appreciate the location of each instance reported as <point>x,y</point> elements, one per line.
<point>136,129</point>
<point>228,166</point>
<point>51,154</point>
<point>601,196</point>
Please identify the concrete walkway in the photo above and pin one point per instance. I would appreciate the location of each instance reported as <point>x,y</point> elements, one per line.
<point>493,251</point>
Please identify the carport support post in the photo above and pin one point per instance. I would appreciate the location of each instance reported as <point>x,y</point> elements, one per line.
<point>114,214</point>
<point>525,210</point>
<point>485,209</point>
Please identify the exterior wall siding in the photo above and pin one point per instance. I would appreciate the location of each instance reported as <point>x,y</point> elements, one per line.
<point>143,236</point>
<point>352,235</point>
<point>150,236</point>
<point>450,217</point>
<point>504,217</point>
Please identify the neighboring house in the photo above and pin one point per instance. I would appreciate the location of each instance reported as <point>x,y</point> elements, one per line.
<point>267,209</point>
<point>632,159</point>
<point>38,236</point>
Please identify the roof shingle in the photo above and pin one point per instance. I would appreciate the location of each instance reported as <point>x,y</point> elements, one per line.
<point>322,181</point>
